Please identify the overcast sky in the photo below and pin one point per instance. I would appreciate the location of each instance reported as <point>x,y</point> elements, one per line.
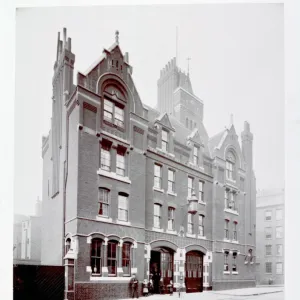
<point>237,66</point>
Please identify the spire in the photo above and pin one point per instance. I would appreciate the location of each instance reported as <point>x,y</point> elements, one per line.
<point>117,37</point>
<point>188,66</point>
<point>231,120</point>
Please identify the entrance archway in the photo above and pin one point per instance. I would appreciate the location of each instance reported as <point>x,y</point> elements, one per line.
<point>161,268</point>
<point>194,272</point>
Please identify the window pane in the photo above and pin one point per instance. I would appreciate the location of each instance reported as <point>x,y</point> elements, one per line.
<point>279,250</point>
<point>165,135</point>
<point>119,116</point>
<point>279,232</point>
<point>268,215</point>
<point>278,268</point>
<point>105,159</point>
<point>120,164</point>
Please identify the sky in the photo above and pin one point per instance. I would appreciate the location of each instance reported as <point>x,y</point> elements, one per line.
<point>236,67</point>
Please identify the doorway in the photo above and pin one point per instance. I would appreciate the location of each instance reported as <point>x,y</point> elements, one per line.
<point>194,272</point>
<point>161,269</point>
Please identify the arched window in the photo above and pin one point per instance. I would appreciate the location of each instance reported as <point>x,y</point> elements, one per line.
<point>126,261</point>
<point>67,245</point>
<point>230,165</point>
<point>112,261</point>
<point>117,64</point>
<point>96,256</point>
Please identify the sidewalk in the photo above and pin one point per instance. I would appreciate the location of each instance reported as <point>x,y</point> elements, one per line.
<point>220,295</point>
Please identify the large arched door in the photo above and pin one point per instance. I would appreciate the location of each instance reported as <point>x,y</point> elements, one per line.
<point>194,272</point>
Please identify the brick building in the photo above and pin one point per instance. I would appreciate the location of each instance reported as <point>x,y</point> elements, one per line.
<point>131,189</point>
<point>270,236</point>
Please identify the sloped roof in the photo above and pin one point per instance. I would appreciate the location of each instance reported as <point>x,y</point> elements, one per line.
<point>215,140</point>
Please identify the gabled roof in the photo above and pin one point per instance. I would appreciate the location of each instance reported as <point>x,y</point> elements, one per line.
<point>195,136</point>
<point>216,140</point>
<point>164,120</point>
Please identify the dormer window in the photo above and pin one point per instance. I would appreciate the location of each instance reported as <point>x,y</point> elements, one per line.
<point>195,155</point>
<point>165,140</point>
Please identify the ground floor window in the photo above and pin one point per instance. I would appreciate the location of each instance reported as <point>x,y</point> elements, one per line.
<point>234,265</point>
<point>96,256</point>
<point>126,258</point>
<point>279,268</point>
<point>226,266</point>
<point>112,258</point>
<point>268,267</point>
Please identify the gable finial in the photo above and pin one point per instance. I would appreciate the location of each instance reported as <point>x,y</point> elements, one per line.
<point>188,66</point>
<point>231,120</point>
<point>117,36</point>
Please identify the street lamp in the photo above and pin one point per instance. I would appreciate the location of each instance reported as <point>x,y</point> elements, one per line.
<point>192,208</point>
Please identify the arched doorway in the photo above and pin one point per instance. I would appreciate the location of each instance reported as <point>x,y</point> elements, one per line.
<point>161,268</point>
<point>194,272</point>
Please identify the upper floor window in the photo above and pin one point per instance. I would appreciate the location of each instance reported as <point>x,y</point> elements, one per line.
<point>230,166</point>
<point>112,258</point>
<point>157,215</point>
<point>268,267</point>
<point>201,193</point>
<point>279,250</point>
<point>268,232</point>
<point>113,113</point>
<point>103,202</point>
<point>105,156</point>
<point>279,232</point>
<point>157,176</point>
<point>226,196</point>
<point>268,215</point>
<point>268,250</point>
<point>171,181</point>
<point>96,256</point>
<point>201,225</point>
<point>278,214</point>
<point>165,140</point>
<point>123,207</point>
<point>190,186</point>
<point>68,245</point>
<point>171,217</point>
<point>279,268</point>
<point>126,262</point>
<point>234,265</point>
<point>232,203</point>
<point>191,124</point>
<point>120,168</point>
<point>226,266</point>
<point>226,229</point>
<point>195,155</point>
<point>190,223</point>
<point>234,231</point>
<point>187,123</point>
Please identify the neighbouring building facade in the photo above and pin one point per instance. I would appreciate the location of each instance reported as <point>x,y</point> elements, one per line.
<point>27,237</point>
<point>128,189</point>
<point>270,236</point>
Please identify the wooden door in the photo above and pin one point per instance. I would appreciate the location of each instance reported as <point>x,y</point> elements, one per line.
<point>194,272</point>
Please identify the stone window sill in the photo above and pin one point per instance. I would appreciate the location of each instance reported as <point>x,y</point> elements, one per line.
<point>191,235</point>
<point>201,237</point>
<point>171,232</point>
<point>104,219</point>
<point>171,193</point>
<point>226,240</point>
<point>234,273</point>
<point>165,152</point>
<point>201,202</point>
<point>123,222</point>
<point>158,190</point>
<point>110,278</point>
<point>235,242</point>
<point>234,212</point>
<point>157,229</point>
<point>226,272</point>
<point>113,176</point>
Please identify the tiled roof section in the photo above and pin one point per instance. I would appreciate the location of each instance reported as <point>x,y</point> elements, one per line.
<point>215,140</point>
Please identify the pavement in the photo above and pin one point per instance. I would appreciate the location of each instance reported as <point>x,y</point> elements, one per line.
<point>256,293</point>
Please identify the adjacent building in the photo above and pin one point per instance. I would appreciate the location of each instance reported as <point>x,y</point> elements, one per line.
<point>270,236</point>
<point>27,237</point>
<point>131,189</point>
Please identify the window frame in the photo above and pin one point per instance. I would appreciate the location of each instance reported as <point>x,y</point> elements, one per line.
<point>201,225</point>
<point>122,209</point>
<point>165,140</point>
<point>277,233</point>
<point>235,237</point>
<point>226,265</point>
<point>279,263</point>
<point>268,250</point>
<point>111,258</point>
<point>196,155</point>
<point>266,217</point>
<point>158,179</point>
<point>201,191</point>
<point>234,261</point>
<point>121,165</point>
<point>102,203</point>
<point>105,162</point>
<point>117,112</point>
<point>268,233</point>
<point>281,214</point>
<point>229,170</point>
<point>126,259</point>
<point>170,181</point>
<point>190,224</point>
<point>96,257</point>
<point>157,216</point>
<point>171,218</point>
<point>190,188</point>
<point>277,247</point>
<point>268,263</point>
<point>226,229</point>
